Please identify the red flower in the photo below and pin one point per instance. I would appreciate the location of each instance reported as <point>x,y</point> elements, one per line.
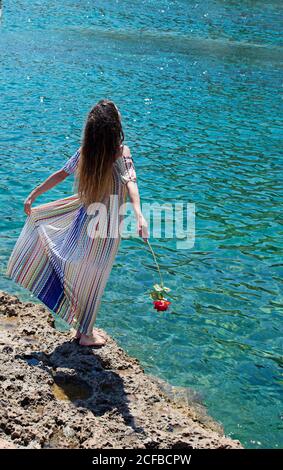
<point>161,305</point>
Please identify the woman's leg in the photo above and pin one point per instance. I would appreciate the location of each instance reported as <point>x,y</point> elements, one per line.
<point>89,336</point>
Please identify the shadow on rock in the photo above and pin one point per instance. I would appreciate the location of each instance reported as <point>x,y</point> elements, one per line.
<point>80,376</point>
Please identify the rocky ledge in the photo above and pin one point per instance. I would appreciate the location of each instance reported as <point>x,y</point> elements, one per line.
<point>57,394</point>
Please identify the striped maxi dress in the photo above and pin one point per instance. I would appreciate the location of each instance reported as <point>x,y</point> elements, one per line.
<point>56,256</point>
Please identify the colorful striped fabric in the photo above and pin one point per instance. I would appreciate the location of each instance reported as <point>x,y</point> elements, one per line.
<point>57,260</point>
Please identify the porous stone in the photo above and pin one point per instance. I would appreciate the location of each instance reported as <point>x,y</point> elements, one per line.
<point>57,394</point>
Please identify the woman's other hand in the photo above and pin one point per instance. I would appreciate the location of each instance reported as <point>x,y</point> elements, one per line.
<point>27,204</point>
<point>49,183</point>
<point>143,228</point>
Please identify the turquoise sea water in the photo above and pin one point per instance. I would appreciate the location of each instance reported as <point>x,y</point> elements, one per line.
<point>198,85</point>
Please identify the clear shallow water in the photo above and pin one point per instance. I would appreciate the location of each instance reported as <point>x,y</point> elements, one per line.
<point>199,89</point>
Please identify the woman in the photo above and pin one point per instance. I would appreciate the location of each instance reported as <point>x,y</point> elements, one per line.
<point>65,252</point>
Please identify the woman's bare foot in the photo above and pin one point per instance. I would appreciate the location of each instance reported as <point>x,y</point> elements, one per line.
<point>95,332</point>
<point>93,340</point>
<point>100,333</point>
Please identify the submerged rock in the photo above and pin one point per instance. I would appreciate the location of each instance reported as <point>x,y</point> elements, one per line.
<point>57,394</point>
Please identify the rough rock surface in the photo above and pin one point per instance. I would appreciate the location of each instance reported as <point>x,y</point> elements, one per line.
<point>57,394</point>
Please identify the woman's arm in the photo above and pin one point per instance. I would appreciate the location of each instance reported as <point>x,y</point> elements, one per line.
<point>133,192</point>
<point>49,183</point>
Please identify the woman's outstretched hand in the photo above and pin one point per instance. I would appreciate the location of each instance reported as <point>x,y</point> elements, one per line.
<point>49,183</point>
<point>27,204</point>
<point>143,228</point>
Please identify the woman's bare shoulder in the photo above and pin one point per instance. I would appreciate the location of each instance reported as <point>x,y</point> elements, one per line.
<point>126,151</point>
<point>123,152</point>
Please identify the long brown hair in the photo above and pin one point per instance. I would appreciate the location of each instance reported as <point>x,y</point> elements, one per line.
<point>101,143</point>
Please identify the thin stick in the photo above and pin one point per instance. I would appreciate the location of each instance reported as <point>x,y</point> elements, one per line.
<point>154,257</point>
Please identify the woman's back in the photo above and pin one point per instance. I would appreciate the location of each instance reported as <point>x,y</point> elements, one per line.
<point>123,167</point>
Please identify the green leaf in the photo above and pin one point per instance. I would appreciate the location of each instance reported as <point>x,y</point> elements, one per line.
<point>157,287</point>
<point>166,289</point>
<point>154,295</point>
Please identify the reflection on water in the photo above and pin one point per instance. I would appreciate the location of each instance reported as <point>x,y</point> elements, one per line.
<point>198,85</point>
